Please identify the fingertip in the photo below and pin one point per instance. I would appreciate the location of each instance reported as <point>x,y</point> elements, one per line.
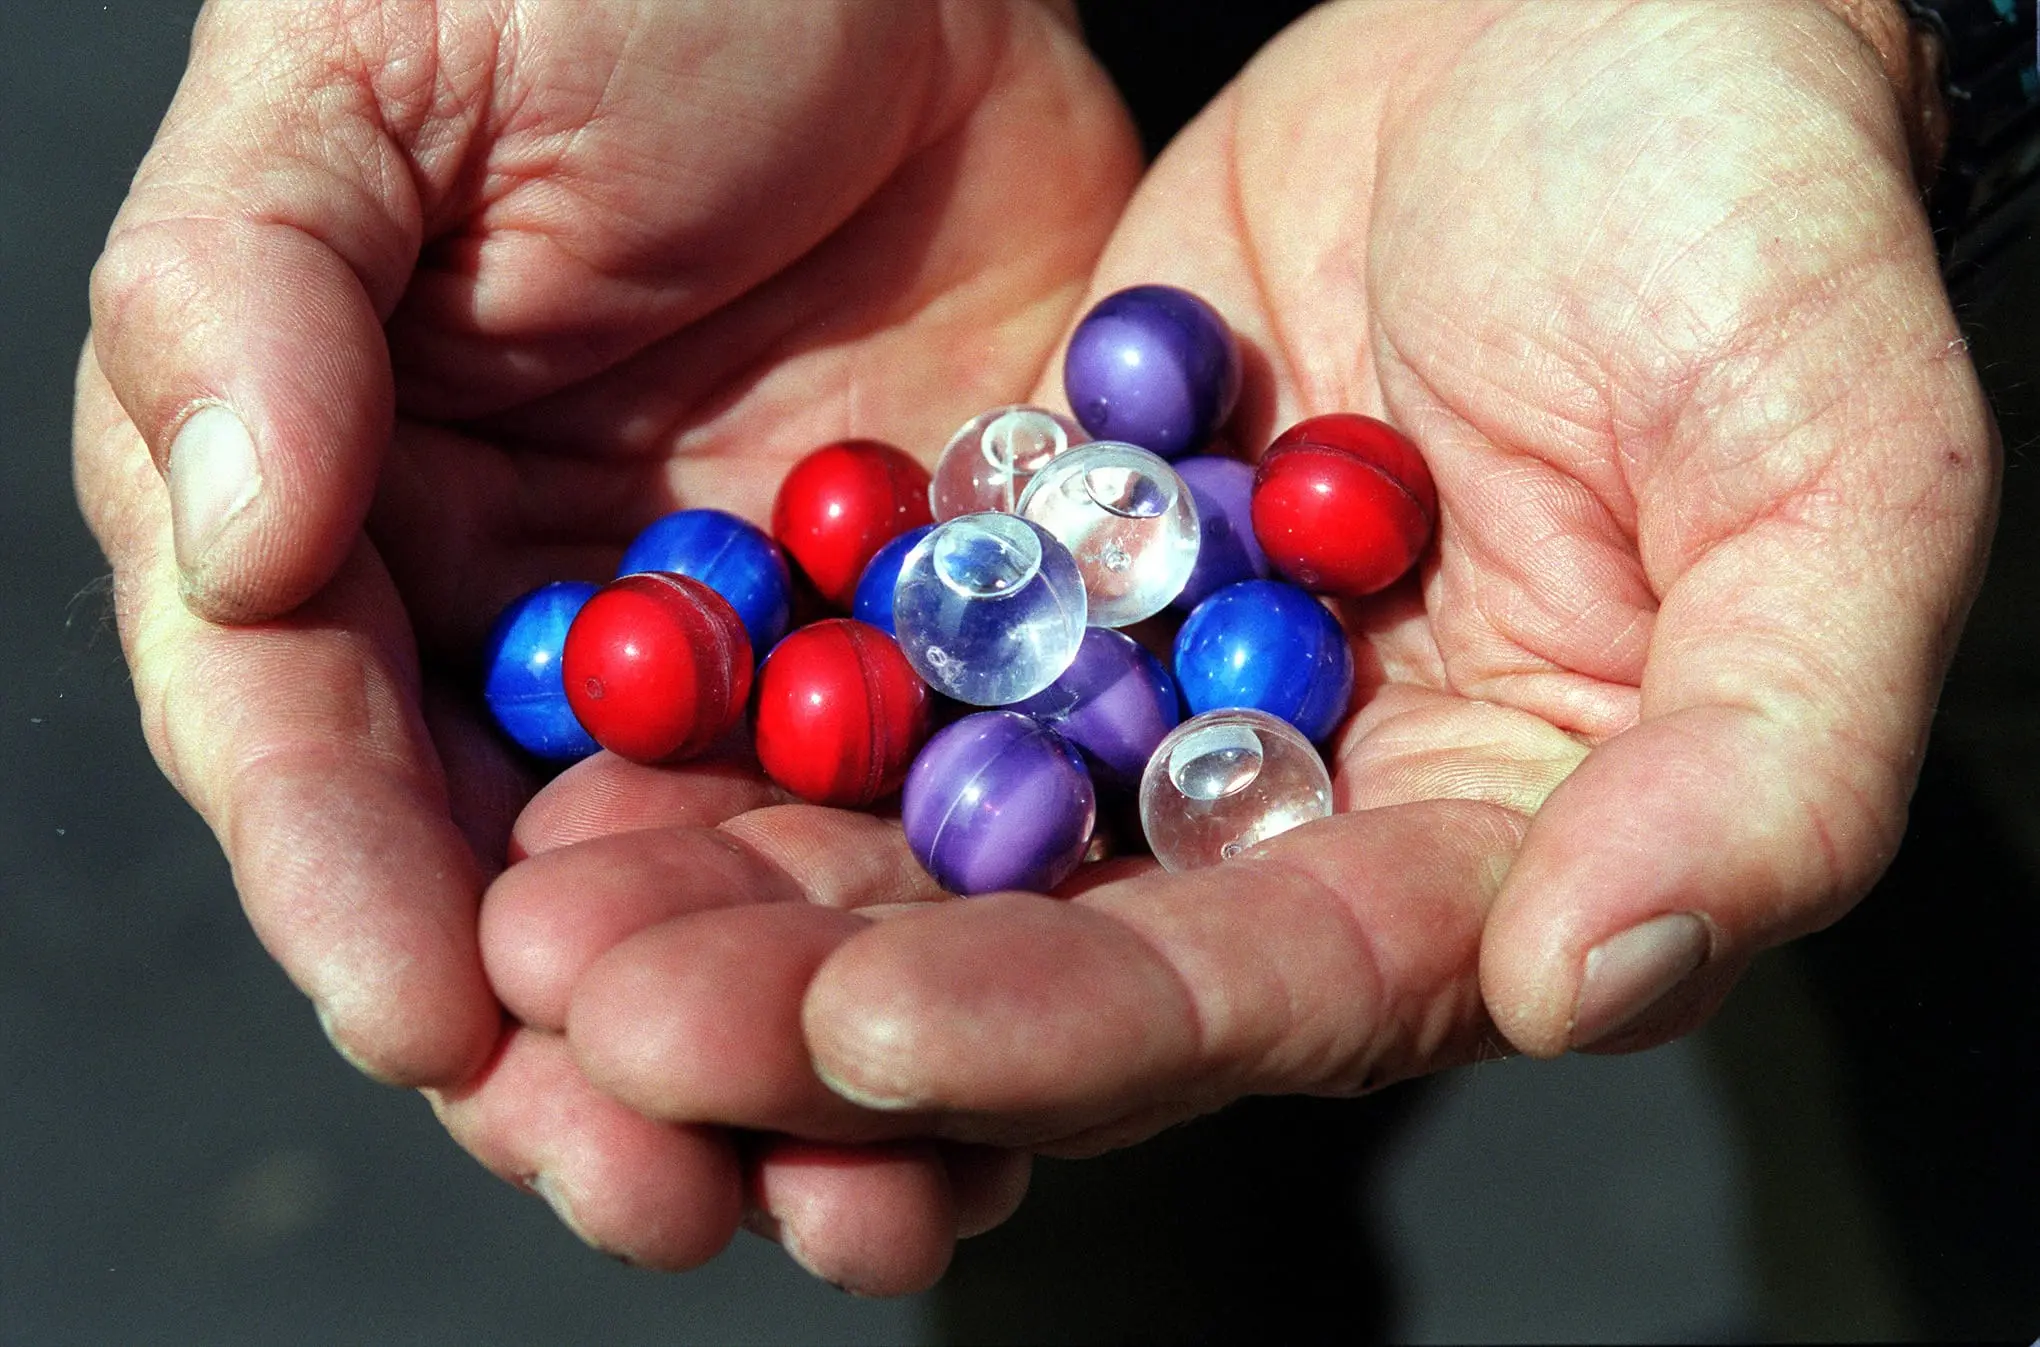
<point>399,1047</point>
<point>252,362</point>
<point>1675,853</point>
<point>604,795</point>
<point>547,920</point>
<point>382,940</point>
<point>699,1018</point>
<point>987,1183</point>
<point>647,1193</point>
<point>667,1198</point>
<point>874,1220</point>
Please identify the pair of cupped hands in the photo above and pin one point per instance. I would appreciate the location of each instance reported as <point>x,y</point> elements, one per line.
<point>415,307</point>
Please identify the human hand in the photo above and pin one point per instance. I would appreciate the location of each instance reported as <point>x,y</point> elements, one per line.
<point>414,307</point>
<point>1650,285</point>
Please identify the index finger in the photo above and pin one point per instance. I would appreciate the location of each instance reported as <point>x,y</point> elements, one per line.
<point>302,743</point>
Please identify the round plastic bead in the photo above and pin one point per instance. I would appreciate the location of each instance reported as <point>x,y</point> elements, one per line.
<point>1343,504</point>
<point>731,556</point>
<point>989,608</point>
<point>1115,702</point>
<point>1129,521</point>
<point>1153,366</point>
<point>1228,780</point>
<point>873,601</point>
<point>657,666</point>
<point>1269,646</point>
<point>998,801</point>
<point>1227,551</point>
<point>522,684</point>
<point>842,503</point>
<point>987,463</point>
<point>840,714</point>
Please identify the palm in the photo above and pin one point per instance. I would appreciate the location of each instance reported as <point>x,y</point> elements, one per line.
<point>1619,279</point>
<point>601,327</point>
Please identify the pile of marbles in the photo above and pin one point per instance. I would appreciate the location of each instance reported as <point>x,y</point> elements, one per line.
<point>1001,583</point>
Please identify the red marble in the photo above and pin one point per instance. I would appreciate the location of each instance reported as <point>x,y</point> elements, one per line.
<point>841,504</point>
<point>657,666</point>
<point>840,713</point>
<point>1343,504</point>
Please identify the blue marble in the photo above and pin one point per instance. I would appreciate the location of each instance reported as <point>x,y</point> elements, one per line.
<point>732,556</point>
<point>521,680</point>
<point>1270,647</point>
<point>873,601</point>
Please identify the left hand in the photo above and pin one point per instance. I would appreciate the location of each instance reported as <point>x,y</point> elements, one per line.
<point>1650,285</point>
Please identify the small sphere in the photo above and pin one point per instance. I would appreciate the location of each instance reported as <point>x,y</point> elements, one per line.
<point>987,463</point>
<point>998,801</point>
<point>732,556</point>
<point>1153,366</point>
<point>840,713</point>
<point>1115,702</point>
<point>842,503</point>
<point>522,682</point>
<point>1227,551</point>
<point>989,608</point>
<point>1343,504</point>
<point>874,598</point>
<point>657,666</point>
<point>1226,781</point>
<point>1129,521</point>
<point>1269,646</point>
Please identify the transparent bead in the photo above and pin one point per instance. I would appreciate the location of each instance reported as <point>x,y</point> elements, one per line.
<point>986,464</point>
<point>1226,781</point>
<point>989,608</point>
<point>1128,519</point>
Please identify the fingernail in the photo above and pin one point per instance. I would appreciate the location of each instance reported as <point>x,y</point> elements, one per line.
<point>214,476</point>
<point>864,1096</point>
<point>1629,973</point>
<point>543,1185</point>
<point>347,1054</point>
<point>790,1244</point>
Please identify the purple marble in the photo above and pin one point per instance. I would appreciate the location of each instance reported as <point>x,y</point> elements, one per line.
<point>1115,703</point>
<point>998,801</point>
<point>1227,552</point>
<point>1153,366</point>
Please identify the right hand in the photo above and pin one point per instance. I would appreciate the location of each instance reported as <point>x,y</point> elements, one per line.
<point>412,308</point>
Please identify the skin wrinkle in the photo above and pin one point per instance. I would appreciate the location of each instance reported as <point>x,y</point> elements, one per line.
<point>1251,246</point>
<point>1246,1066</point>
<point>1753,342</point>
<point>598,111</point>
<point>1645,155</point>
<point>1477,673</point>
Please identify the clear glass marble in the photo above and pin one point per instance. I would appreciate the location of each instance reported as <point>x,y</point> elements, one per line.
<point>989,608</point>
<point>988,462</point>
<point>1226,781</point>
<point>1129,520</point>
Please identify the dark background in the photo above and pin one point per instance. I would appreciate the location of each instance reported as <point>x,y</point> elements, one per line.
<point>1853,1149</point>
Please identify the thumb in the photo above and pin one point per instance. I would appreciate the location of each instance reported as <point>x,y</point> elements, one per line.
<point>237,306</point>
